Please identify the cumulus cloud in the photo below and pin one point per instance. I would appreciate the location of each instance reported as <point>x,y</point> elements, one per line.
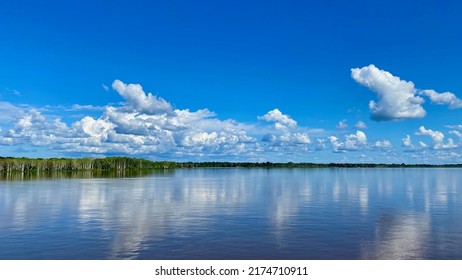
<point>35,129</point>
<point>352,142</point>
<point>284,134</point>
<point>144,125</point>
<point>95,128</point>
<point>385,144</point>
<point>397,98</point>
<point>437,138</point>
<point>407,142</point>
<point>148,126</point>
<point>286,139</point>
<point>140,101</point>
<point>445,98</point>
<point>280,120</point>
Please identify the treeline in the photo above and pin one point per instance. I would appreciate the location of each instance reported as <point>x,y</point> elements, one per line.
<point>305,165</point>
<point>79,164</point>
<point>213,164</point>
<point>10,164</point>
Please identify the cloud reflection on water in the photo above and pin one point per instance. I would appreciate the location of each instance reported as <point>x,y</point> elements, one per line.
<point>390,210</point>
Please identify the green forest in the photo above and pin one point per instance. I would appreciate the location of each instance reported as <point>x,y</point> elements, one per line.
<point>79,164</point>
<point>10,164</point>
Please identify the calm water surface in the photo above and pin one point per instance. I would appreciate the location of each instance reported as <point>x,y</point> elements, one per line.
<point>236,214</point>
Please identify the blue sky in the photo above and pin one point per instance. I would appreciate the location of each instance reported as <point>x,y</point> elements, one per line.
<point>304,81</point>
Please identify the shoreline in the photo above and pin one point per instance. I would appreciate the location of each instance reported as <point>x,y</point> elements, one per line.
<point>39,165</point>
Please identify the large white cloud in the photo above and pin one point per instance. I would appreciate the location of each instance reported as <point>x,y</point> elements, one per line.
<point>397,98</point>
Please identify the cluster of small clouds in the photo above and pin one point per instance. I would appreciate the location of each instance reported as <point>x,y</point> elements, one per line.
<point>149,126</point>
<point>398,99</point>
<point>145,124</point>
<point>437,140</point>
<point>342,125</point>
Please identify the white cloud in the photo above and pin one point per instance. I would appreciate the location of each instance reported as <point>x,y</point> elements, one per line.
<point>385,144</point>
<point>180,134</point>
<point>352,142</point>
<point>35,129</point>
<point>407,142</point>
<point>397,98</point>
<point>105,87</point>
<point>342,124</point>
<point>95,128</point>
<point>450,144</point>
<point>437,138</point>
<point>360,125</point>
<point>301,138</point>
<point>280,120</point>
<point>284,133</point>
<point>287,139</point>
<point>423,145</point>
<point>139,101</point>
<point>445,98</point>
<point>133,129</point>
<point>409,147</point>
<point>336,145</point>
<point>201,138</point>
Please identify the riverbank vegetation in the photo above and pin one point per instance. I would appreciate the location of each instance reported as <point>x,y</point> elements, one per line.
<point>305,165</point>
<point>24,165</point>
<point>79,164</point>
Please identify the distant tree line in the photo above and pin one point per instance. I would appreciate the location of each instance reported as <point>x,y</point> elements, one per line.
<point>305,165</point>
<point>11,164</point>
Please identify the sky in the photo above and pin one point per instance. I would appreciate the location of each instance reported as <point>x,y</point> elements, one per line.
<point>302,81</point>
